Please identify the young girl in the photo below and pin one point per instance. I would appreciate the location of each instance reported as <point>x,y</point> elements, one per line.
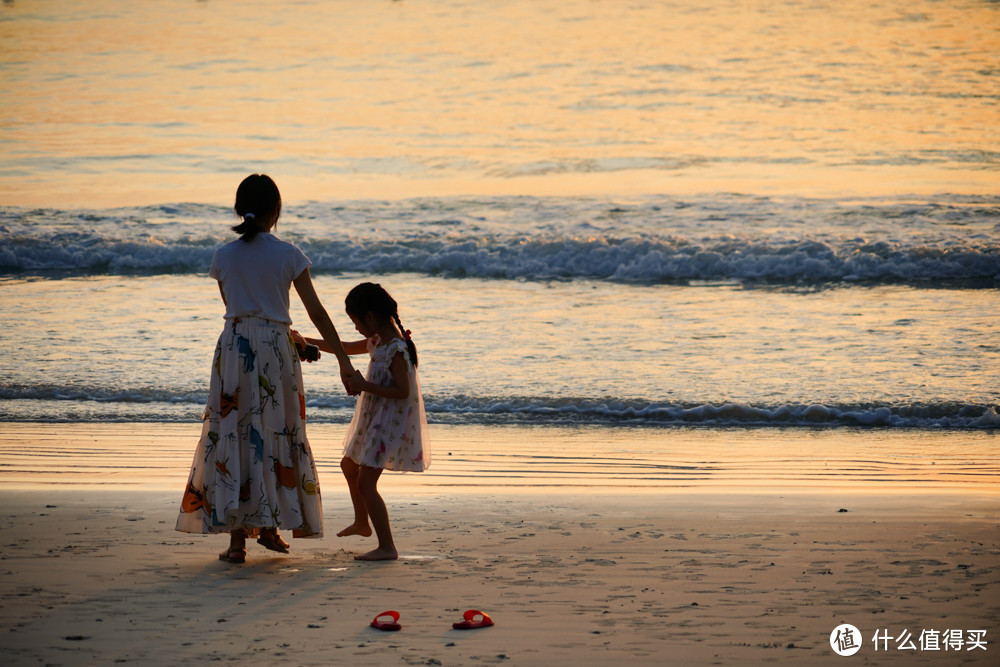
<point>389,430</point>
<point>253,469</point>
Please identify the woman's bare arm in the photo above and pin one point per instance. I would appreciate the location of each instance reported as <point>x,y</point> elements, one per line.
<point>321,320</point>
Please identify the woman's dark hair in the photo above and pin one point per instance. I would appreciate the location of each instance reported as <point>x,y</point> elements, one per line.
<point>256,198</point>
<point>372,298</point>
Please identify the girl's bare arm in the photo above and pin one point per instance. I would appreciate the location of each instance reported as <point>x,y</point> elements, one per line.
<point>350,347</point>
<point>400,387</point>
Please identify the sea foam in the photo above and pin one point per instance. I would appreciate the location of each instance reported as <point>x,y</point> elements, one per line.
<point>52,403</point>
<point>630,260</point>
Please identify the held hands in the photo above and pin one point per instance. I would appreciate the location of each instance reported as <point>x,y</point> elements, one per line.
<point>351,379</point>
<point>356,383</point>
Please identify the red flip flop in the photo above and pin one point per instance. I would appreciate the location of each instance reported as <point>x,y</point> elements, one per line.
<point>471,622</point>
<point>387,625</point>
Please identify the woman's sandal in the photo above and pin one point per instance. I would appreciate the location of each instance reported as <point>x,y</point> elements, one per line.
<point>234,555</point>
<point>273,541</point>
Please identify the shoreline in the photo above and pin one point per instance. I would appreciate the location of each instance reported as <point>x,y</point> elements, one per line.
<point>544,459</point>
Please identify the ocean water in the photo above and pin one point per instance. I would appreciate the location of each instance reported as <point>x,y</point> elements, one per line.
<point>601,215</point>
<point>716,310</point>
<point>112,102</point>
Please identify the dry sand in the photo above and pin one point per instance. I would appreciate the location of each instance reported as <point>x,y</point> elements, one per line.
<point>695,575</point>
<point>100,577</point>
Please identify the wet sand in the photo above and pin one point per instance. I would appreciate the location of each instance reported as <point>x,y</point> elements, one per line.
<point>92,571</point>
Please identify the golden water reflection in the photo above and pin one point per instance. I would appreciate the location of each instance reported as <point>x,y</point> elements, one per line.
<point>119,102</point>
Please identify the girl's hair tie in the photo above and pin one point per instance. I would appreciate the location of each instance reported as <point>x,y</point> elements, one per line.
<point>406,335</point>
<point>249,216</point>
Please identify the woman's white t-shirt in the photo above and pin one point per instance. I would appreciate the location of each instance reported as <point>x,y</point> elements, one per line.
<point>257,276</point>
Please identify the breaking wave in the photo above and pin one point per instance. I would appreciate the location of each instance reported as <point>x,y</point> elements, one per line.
<point>55,404</point>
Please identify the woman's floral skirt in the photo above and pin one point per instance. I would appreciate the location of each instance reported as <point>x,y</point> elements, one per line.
<point>253,467</point>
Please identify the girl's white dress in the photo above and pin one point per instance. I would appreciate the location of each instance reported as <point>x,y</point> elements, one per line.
<point>389,433</point>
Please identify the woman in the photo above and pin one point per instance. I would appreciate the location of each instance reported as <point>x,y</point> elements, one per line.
<point>253,469</point>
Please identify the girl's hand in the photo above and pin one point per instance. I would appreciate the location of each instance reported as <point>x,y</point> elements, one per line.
<point>356,383</point>
<point>347,374</point>
<point>298,338</point>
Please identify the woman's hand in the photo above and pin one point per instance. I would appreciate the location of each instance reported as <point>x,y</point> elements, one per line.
<point>306,351</point>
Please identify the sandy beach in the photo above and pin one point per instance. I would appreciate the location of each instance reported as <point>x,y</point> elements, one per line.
<point>92,572</point>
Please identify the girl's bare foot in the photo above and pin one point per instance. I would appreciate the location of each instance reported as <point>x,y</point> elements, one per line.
<point>364,530</point>
<point>379,554</point>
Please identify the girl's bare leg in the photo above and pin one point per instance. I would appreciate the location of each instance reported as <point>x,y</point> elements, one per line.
<point>360,525</point>
<point>368,486</point>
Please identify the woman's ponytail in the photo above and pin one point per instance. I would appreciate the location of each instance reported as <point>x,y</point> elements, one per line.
<point>248,228</point>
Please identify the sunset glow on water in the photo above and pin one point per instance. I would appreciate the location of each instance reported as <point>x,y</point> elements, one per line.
<point>111,102</point>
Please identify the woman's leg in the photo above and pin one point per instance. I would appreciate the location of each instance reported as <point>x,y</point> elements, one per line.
<point>360,525</point>
<point>237,539</point>
<point>237,551</point>
<point>368,487</point>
